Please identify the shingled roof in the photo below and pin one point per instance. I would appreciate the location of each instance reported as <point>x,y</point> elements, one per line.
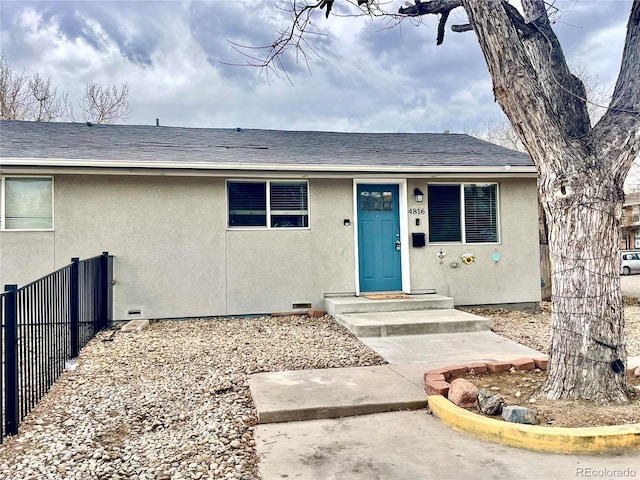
<point>78,144</point>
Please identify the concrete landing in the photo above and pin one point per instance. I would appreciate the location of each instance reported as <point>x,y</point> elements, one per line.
<point>414,322</point>
<point>332,393</point>
<point>135,326</point>
<point>341,305</point>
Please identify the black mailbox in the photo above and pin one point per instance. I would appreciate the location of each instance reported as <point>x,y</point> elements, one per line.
<point>417,239</point>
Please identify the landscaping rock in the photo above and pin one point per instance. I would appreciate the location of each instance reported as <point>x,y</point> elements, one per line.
<point>463,393</point>
<point>170,402</point>
<point>516,414</point>
<point>490,403</point>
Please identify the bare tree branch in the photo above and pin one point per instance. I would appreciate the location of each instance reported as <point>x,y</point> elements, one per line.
<point>47,106</point>
<point>14,96</point>
<point>33,98</point>
<point>272,58</point>
<point>619,128</point>
<point>105,104</point>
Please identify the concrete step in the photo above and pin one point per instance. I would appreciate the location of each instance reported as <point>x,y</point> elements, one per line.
<point>414,322</point>
<point>340,305</point>
<point>292,396</point>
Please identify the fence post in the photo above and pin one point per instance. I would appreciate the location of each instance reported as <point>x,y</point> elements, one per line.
<point>11,360</point>
<point>104,282</point>
<point>110,283</point>
<point>74,308</point>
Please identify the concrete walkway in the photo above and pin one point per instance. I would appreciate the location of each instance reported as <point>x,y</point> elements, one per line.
<point>413,445</point>
<point>333,393</point>
<point>384,443</point>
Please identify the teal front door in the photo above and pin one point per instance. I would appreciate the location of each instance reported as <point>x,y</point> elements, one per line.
<point>379,238</point>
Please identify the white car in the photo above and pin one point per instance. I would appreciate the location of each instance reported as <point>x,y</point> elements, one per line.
<point>630,263</point>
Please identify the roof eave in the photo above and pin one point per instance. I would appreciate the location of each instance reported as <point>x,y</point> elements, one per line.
<point>87,166</point>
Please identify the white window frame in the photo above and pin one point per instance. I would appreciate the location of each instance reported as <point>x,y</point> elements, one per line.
<point>3,203</point>
<point>268,203</point>
<point>463,226</point>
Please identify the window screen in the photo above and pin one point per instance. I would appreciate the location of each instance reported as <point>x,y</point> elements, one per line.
<point>28,203</point>
<point>444,213</point>
<point>480,218</point>
<point>247,204</point>
<point>468,216</point>
<point>287,206</point>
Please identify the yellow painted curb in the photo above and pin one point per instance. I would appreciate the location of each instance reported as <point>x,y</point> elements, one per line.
<point>536,437</point>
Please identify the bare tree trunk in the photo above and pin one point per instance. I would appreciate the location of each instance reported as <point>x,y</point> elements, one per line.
<point>581,172</point>
<point>587,312</point>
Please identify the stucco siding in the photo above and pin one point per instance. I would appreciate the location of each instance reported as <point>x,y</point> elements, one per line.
<point>25,256</point>
<point>270,270</point>
<point>166,235</point>
<point>515,278</point>
<point>175,257</point>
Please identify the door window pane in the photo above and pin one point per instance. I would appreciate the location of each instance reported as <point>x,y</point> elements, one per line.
<point>387,201</point>
<point>365,202</point>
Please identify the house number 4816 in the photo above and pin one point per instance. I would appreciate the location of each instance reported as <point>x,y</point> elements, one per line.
<point>416,211</point>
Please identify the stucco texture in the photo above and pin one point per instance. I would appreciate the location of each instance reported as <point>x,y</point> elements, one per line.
<point>276,268</point>
<point>515,278</point>
<point>175,257</point>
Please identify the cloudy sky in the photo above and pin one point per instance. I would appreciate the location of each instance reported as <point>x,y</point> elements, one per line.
<point>179,63</point>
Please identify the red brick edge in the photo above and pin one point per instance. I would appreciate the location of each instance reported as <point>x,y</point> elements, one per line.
<point>436,381</point>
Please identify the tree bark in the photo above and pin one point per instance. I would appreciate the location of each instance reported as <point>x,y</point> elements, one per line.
<point>580,187</point>
<point>587,315</point>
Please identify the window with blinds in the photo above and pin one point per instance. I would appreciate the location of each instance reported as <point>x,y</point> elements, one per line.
<point>480,215</point>
<point>247,204</point>
<point>465,213</point>
<point>273,204</point>
<point>289,204</point>
<point>27,203</point>
<point>444,213</point>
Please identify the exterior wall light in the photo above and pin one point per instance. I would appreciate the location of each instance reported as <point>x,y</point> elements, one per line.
<point>419,196</point>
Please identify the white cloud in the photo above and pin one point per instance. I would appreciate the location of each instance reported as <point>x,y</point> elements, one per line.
<point>370,78</point>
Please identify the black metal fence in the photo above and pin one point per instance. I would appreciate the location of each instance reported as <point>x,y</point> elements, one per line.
<point>44,325</point>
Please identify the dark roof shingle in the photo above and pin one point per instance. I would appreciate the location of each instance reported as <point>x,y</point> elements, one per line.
<point>260,147</point>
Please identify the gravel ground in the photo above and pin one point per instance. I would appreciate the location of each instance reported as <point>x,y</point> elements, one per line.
<point>533,329</point>
<point>171,402</point>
